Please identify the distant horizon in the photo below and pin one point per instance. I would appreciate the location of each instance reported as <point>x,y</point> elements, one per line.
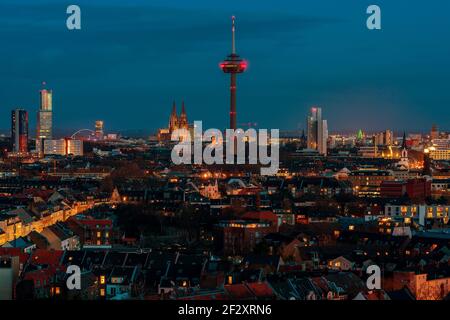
<point>59,133</point>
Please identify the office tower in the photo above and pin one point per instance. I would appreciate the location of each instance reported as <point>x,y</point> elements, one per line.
<point>99,134</point>
<point>63,147</point>
<point>44,119</point>
<point>19,130</point>
<point>317,131</point>
<point>233,65</point>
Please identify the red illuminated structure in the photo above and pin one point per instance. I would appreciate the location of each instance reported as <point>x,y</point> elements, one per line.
<point>233,65</point>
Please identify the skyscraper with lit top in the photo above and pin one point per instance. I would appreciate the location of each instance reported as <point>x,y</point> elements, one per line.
<point>44,119</point>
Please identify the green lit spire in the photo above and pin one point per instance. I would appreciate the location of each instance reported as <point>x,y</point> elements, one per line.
<point>360,135</point>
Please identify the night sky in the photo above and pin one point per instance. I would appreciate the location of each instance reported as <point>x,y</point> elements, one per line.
<point>132,58</point>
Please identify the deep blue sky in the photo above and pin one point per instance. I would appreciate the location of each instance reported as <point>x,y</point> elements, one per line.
<point>133,57</point>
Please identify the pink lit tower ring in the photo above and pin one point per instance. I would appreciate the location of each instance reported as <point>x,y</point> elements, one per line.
<point>233,65</point>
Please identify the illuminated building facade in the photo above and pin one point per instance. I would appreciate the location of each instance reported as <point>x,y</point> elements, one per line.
<point>44,119</point>
<point>367,183</point>
<point>317,131</point>
<point>437,154</point>
<point>440,149</point>
<point>19,131</point>
<point>63,147</point>
<point>368,151</point>
<point>422,214</point>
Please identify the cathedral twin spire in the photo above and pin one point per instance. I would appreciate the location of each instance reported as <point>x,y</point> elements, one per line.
<point>178,122</point>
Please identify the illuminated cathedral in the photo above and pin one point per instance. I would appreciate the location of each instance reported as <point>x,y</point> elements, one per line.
<point>175,122</point>
<point>178,122</point>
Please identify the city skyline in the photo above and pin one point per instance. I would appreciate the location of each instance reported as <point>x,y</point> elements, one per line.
<point>370,80</point>
<point>224,158</point>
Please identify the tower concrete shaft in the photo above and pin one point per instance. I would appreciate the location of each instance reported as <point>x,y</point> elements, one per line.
<point>233,101</point>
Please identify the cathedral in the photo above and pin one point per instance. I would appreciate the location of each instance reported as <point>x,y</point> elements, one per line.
<point>178,122</point>
<point>175,122</point>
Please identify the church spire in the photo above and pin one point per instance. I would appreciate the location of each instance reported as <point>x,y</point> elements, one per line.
<point>404,160</point>
<point>173,120</point>
<point>183,117</point>
<point>174,108</point>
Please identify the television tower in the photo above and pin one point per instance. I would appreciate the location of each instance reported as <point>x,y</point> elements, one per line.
<point>233,65</point>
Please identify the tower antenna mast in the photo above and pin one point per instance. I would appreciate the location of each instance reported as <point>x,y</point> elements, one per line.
<point>233,37</point>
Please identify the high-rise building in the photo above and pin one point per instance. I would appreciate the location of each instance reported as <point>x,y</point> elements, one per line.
<point>99,134</point>
<point>44,119</point>
<point>317,131</point>
<point>19,130</point>
<point>63,147</point>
